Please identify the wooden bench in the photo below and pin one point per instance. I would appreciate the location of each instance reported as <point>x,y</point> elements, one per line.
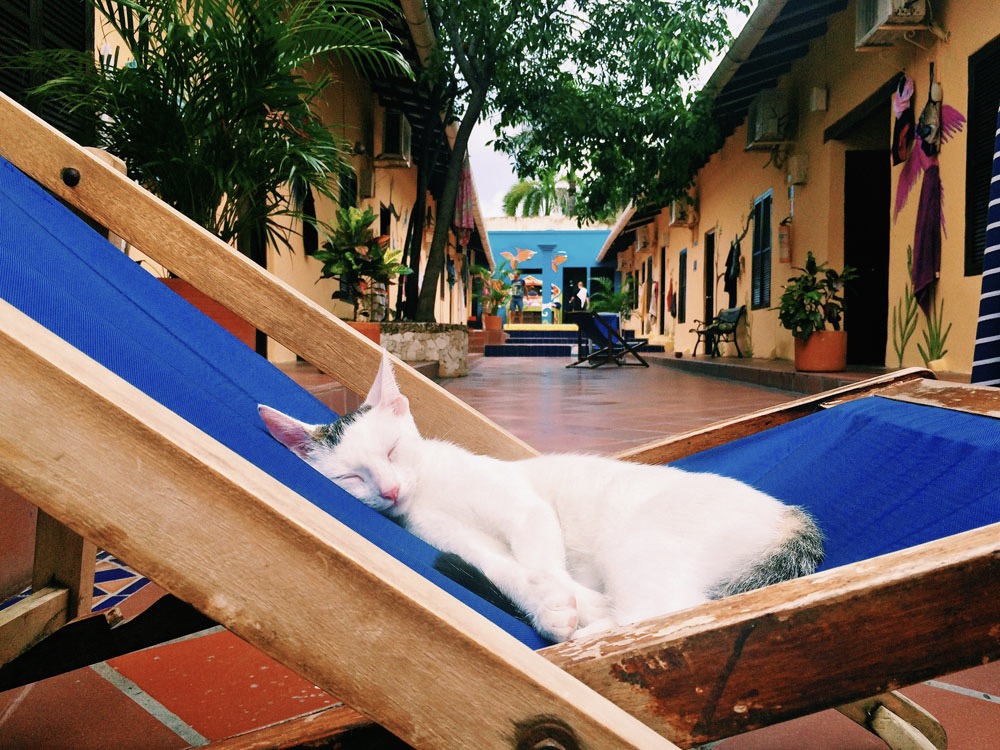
<point>721,328</point>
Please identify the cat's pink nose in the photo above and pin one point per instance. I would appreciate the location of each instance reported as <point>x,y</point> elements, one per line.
<point>391,494</point>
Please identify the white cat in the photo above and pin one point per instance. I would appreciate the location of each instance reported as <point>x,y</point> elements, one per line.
<point>580,543</point>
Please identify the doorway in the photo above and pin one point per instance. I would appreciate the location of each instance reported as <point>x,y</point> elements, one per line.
<point>867,191</point>
<point>709,276</point>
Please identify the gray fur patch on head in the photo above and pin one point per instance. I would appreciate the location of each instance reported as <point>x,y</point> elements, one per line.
<point>331,434</point>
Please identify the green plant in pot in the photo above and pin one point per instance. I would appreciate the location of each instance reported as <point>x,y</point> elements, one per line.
<point>811,307</point>
<point>606,299</point>
<point>363,263</point>
<point>495,287</point>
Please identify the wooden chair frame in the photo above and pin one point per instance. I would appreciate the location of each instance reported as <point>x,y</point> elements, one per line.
<point>599,343</point>
<point>432,664</point>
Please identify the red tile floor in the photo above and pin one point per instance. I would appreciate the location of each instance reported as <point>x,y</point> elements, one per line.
<point>212,686</point>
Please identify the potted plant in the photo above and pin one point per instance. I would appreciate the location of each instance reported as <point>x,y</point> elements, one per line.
<point>607,300</point>
<point>363,263</point>
<point>810,302</point>
<point>494,293</point>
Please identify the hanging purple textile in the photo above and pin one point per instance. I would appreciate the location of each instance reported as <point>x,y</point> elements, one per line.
<point>927,238</point>
<point>465,218</point>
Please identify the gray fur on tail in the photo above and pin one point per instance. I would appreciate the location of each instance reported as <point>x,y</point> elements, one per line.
<point>798,555</point>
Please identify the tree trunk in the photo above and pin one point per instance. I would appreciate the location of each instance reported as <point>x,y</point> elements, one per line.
<point>446,209</point>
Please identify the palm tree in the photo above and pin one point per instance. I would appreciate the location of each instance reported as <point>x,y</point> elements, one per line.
<point>213,108</point>
<point>541,197</point>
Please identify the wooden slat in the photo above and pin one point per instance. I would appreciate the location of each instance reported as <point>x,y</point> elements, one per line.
<point>279,572</point>
<point>719,433</point>
<point>804,645</point>
<point>946,395</point>
<point>319,725</point>
<point>233,280</point>
<point>64,558</point>
<point>28,621</point>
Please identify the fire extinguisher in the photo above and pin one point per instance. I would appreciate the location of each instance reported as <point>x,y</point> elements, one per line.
<point>785,240</point>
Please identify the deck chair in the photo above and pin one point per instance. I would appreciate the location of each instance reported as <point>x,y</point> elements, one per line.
<point>153,455</point>
<point>599,341</point>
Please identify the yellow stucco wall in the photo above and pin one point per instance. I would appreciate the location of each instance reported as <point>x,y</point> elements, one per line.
<point>733,178</point>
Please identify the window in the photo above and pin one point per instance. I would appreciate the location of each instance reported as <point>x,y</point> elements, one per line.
<point>760,273</point>
<point>45,24</point>
<point>984,97</point>
<point>682,283</point>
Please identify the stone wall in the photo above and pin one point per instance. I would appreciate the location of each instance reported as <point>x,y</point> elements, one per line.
<point>446,344</point>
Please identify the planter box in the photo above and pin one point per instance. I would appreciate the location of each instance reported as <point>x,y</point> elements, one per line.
<point>446,344</point>
<point>823,351</point>
<point>217,312</point>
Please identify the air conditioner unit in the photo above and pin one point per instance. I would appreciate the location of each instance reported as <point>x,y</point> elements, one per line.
<point>682,214</point>
<point>880,23</point>
<point>396,140</point>
<point>770,120</point>
<point>366,182</point>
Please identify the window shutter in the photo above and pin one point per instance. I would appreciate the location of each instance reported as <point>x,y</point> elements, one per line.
<point>984,99</point>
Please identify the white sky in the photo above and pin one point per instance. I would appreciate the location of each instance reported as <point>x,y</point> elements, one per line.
<point>493,172</point>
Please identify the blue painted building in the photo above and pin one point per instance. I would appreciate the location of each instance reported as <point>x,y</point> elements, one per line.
<point>561,258</point>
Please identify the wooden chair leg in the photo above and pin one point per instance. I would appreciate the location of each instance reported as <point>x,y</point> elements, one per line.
<point>898,721</point>
<point>62,588</point>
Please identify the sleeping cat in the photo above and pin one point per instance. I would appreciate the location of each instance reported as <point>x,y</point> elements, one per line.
<point>580,543</point>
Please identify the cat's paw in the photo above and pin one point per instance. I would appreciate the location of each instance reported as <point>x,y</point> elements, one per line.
<point>592,606</point>
<point>556,616</point>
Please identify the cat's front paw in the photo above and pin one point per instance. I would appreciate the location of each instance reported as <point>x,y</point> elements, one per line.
<point>556,616</point>
<point>592,606</point>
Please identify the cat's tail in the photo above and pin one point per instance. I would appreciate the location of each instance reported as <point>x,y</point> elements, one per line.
<point>799,553</point>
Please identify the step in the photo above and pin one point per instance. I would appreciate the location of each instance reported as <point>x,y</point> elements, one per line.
<point>529,350</point>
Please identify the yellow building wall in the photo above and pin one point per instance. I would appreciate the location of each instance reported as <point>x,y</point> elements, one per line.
<point>734,177</point>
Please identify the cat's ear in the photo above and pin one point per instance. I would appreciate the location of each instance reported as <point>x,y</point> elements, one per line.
<point>295,435</point>
<point>385,392</point>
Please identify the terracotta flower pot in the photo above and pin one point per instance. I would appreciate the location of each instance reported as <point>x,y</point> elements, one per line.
<point>217,312</point>
<point>367,328</point>
<point>492,322</point>
<point>823,351</point>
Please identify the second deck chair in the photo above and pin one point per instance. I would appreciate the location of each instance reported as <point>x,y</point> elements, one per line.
<point>599,341</point>
<point>151,485</point>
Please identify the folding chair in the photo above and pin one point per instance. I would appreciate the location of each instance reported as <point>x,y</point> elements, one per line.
<point>131,420</point>
<point>599,341</point>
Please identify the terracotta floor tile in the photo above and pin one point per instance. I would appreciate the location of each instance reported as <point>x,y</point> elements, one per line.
<point>220,685</point>
<point>79,710</point>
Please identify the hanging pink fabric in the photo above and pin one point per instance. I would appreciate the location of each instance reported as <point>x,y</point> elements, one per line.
<point>465,219</point>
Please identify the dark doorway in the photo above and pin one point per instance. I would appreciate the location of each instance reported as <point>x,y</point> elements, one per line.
<point>867,190</point>
<point>709,276</point>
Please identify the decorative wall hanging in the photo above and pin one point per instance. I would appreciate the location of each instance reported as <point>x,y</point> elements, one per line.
<point>937,123</point>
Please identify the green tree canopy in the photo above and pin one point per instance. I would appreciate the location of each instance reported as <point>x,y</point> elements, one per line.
<point>210,103</point>
<point>593,88</point>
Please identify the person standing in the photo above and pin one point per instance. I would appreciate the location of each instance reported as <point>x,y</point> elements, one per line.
<point>581,294</point>
<point>517,298</point>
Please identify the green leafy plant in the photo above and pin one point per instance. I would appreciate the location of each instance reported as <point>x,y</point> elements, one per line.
<point>212,104</point>
<point>934,336</point>
<point>904,315</point>
<point>814,299</point>
<point>495,287</point>
<point>363,263</point>
<point>606,299</point>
